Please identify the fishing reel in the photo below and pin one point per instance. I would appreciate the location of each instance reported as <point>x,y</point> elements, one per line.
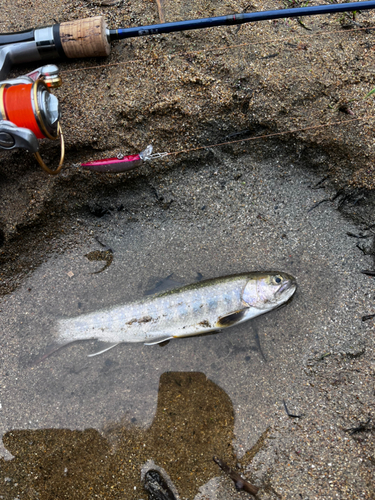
<point>28,112</point>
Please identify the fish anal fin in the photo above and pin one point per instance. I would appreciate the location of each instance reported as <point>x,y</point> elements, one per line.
<point>159,340</point>
<point>231,319</point>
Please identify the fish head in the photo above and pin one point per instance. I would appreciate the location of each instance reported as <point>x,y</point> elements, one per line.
<point>267,291</point>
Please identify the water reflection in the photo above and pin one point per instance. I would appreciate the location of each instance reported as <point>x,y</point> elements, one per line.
<point>101,255</point>
<point>193,422</point>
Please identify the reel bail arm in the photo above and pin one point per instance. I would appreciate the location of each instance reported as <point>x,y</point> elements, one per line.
<point>28,112</point>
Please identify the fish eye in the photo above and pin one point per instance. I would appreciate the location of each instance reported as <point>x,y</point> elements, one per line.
<point>277,279</point>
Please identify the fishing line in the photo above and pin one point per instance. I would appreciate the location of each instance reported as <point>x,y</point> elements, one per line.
<point>266,136</point>
<point>231,47</point>
<point>224,48</point>
<point>237,141</point>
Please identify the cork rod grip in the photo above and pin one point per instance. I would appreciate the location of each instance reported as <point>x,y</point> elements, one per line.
<point>85,37</point>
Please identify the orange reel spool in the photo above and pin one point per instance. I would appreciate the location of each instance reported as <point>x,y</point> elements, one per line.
<point>19,109</point>
<point>31,106</point>
<point>21,104</point>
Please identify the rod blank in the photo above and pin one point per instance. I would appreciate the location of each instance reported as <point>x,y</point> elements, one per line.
<point>211,22</point>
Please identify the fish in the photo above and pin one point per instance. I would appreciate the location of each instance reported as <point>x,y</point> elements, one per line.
<point>199,308</point>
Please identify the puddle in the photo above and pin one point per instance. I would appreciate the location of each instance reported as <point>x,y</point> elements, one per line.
<point>193,421</point>
<point>202,395</point>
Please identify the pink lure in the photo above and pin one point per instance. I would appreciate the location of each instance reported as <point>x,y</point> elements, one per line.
<point>120,163</point>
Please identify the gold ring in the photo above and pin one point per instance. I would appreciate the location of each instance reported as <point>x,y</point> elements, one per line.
<point>41,162</point>
<point>37,113</point>
<point>3,112</point>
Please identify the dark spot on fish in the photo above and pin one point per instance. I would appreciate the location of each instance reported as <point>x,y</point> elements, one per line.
<point>204,323</point>
<point>145,319</point>
<point>131,321</point>
<point>231,319</point>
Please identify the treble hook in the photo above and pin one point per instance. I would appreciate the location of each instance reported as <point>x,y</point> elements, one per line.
<point>121,163</point>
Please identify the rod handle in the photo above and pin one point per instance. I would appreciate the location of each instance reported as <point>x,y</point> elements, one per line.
<point>85,37</point>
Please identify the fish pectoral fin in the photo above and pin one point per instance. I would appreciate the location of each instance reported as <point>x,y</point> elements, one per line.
<point>159,340</point>
<point>102,351</point>
<point>231,319</point>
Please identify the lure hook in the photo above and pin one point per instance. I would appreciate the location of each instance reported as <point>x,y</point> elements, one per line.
<point>121,163</point>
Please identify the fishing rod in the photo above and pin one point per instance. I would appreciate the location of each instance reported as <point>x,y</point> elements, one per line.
<point>90,37</point>
<point>29,111</point>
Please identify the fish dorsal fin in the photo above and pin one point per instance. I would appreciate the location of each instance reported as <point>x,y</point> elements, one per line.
<point>231,319</point>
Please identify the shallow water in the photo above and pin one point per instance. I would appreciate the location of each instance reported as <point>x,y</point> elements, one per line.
<point>225,217</point>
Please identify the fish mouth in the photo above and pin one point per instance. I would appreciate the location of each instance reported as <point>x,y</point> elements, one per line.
<point>288,285</point>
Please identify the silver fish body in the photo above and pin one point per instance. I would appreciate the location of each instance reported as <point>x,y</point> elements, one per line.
<point>202,307</point>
